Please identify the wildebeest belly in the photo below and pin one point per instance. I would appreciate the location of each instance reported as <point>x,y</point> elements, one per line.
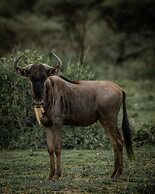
<point>81,119</point>
<point>79,109</point>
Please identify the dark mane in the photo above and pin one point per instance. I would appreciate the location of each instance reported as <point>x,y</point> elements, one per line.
<point>70,81</point>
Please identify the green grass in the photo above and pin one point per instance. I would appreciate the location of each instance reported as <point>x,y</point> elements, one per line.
<point>84,171</point>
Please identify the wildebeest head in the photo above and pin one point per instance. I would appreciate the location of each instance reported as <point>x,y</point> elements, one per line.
<point>37,73</point>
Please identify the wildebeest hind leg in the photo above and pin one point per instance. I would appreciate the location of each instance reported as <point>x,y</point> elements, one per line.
<point>117,142</point>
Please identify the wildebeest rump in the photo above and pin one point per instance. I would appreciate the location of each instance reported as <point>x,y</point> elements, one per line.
<point>59,101</point>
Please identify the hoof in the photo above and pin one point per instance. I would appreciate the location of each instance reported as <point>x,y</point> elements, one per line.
<point>116,174</point>
<point>53,178</point>
<point>49,178</point>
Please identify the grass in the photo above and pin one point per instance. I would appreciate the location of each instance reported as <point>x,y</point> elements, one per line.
<point>84,171</point>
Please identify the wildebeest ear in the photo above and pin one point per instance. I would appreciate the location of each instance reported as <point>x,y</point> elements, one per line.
<point>22,71</point>
<point>53,71</point>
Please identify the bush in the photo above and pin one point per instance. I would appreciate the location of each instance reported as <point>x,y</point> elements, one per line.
<point>144,134</point>
<point>14,105</point>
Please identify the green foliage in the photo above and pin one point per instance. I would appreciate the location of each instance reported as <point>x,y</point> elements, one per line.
<point>15,101</point>
<point>145,134</point>
<point>76,71</point>
<point>91,137</point>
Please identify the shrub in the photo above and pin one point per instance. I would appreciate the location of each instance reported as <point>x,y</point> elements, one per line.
<point>144,134</point>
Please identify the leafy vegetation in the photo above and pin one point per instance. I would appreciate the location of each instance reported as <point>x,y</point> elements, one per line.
<point>84,171</point>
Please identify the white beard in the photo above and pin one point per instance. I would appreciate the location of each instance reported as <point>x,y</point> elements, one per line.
<point>38,113</point>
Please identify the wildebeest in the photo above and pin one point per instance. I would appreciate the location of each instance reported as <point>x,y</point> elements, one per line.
<point>59,101</point>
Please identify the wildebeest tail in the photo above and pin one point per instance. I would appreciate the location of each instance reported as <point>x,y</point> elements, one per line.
<point>126,130</point>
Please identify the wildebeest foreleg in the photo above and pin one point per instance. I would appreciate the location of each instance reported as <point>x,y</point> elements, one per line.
<point>117,143</point>
<point>57,150</point>
<point>50,146</point>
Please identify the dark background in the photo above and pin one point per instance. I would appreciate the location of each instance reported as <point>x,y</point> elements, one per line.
<point>114,30</point>
<point>96,39</point>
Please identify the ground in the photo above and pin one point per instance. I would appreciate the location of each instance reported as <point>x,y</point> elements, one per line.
<point>84,171</point>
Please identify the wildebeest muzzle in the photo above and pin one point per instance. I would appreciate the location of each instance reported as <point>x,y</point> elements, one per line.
<point>38,103</point>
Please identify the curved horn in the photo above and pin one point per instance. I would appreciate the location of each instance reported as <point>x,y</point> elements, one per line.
<point>16,60</point>
<point>58,59</point>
